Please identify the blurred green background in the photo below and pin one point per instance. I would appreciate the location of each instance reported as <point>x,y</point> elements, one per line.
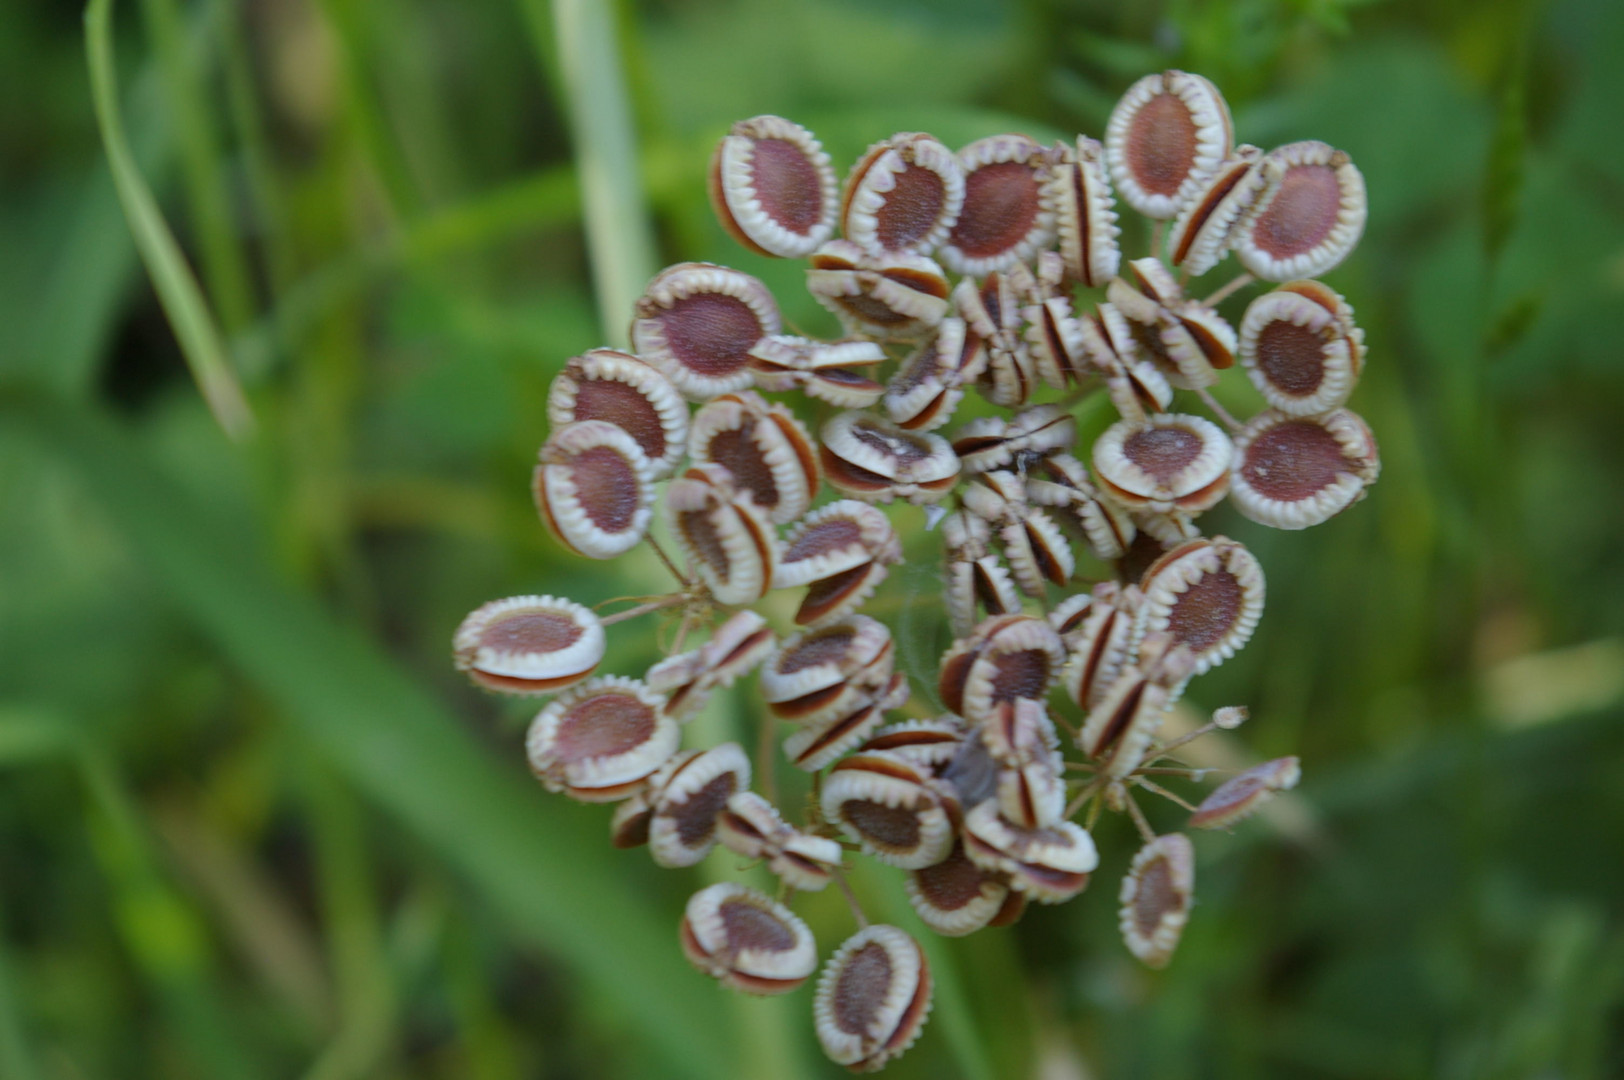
<point>252,825</point>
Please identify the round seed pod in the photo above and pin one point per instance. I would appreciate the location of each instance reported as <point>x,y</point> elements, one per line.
<point>1098,646</point>
<point>747,940</point>
<point>815,746</point>
<point>1135,384</point>
<point>994,348</point>
<point>628,828</point>
<point>991,442</point>
<point>806,862</point>
<point>821,370</point>
<point>1020,733</point>
<point>1050,865</point>
<point>697,323</point>
<point>1308,219</point>
<point>1200,237</point>
<point>727,538</point>
<point>602,384</point>
<point>1085,215</point>
<point>1061,481</point>
<point>873,998</point>
<point>528,644</point>
<point>1007,658</point>
<point>1032,796</point>
<point>1119,730</point>
<point>1293,472</point>
<point>1198,339</point>
<point>889,806</point>
<point>983,582</point>
<point>956,897</point>
<point>1156,898</point>
<point>903,196</point>
<point>765,448</point>
<point>683,828</point>
<point>1207,595</point>
<point>1164,140</point>
<point>888,297</point>
<point>1007,216</point>
<point>772,187</point>
<point>930,383</point>
<point>1301,349</point>
<point>873,459</point>
<point>1171,462</point>
<point>1054,338</point>
<point>689,678</point>
<point>600,740</point>
<point>594,488</point>
<point>750,826</point>
<point>1241,795</point>
<point>833,539</point>
<point>821,674</point>
<point>929,744</point>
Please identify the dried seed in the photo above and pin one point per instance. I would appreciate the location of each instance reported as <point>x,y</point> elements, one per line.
<point>1062,481</point>
<point>1007,216</point>
<point>930,744</point>
<point>1032,796</point>
<point>1165,138</point>
<point>875,460</point>
<point>689,678</point>
<point>1170,462</point>
<point>727,537</point>
<point>697,323</point>
<point>764,447</point>
<point>1206,595</point>
<point>1308,219</point>
<point>889,805</point>
<point>1201,236</point>
<point>683,829</point>
<point>956,897</point>
<point>1054,338</point>
<point>772,187</point>
<point>1020,733</point>
<point>817,745</point>
<point>747,940</point>
<point>1301,349</point>
<point>601,740</point>
<point>1050,864</point>
<point>1007,658</point>
<point>1156,898</point>
<point>1241,795</point>
<point>1085,218</point>
<point>903,196</point>
<point>821,674</point>
<point>873,998</point>
<point>983,582</point>
<point>822,370</point>
<point>1098,646</point>
<point>833,539</point>
<point>806,862</point>
<point>888,297</point>
<point>1135,384</point>
<point>594,488</point>
<point>628,828</point>
<point>1119,730</point>
<point>930,384</point>
<point>991,442</point>
<point>528,644</point>
<point>1293,472</point>
<point>602,384</point>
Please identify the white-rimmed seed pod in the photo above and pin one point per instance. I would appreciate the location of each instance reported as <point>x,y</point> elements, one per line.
<point>993,344</point>
<point>1293,472</point>
<point>528,644</point>
<point>1301,349</point>
<point>1200,238</point>
<point>764,447</point>
<point>697,323</point>
<point>820,674</point>
<point>903,196</point>
<point>813,746</point>
<point>841,550</point>
<point>956,897</point>
<point>602,384</point>
<point>1020,733</point>
<point>1054,339</point>
<point>1207,595</point>
<point>683,828</point>
<point>1098,647</point>
<point>1068,616</point>
<point>974,577</point>
<point>1241,795</point>
<point>992,442</point>
<point>1007,216</point>
<point>594,488</point>
<point>772,187</point>
<point>889,297</point>
<point>1062,482</point>
<point>1085,214</point>
<point>1034,545</point>
<point>1308,219</point>
<point>873,459</point>
<point>727,537</point>
<point>1198,339</point>
<point>689,678</point>
<point>600,740</point>
<point>750,826</point>
<point>890,806</point>
<point>930,384</point>
<point>1156,898</point>
<point>628,828</point>
<point>1050,865</point>
<point>1007,658</point>
<point>1134,382</point>
<point>819,369</point>
<point>873,998</point>
<point>806,862</point>
<point>1119,731</point>
<point>1165,138</point>
<point>927,743</point>
<point>747,940</point>
<point>1170,462</point>
<point>1032,796</point>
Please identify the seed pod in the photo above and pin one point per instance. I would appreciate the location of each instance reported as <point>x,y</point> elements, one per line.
<point>765,448</point>
<point>833,539</point>
<point>1164,140</point>
<point>820,674</point>
<point>600,740</point>
<point>1230,717</point>
<point>815,746</point>
<point>772,187</point>
<point>628,828</point>
<point>528,644</point>
<point>1308,219</point>
<point>822,370</point>
<point>1037,552</point>
<point>689,678</point>
<point>806,862</point>
<point>930,744</point>
<point>889,297</point>
<point>594,488</point>
<point>930,383</point>
<point>1054,338</point>
<point>903,196</point>
<point>726,536</point>
<point>1156,898</point>
<point>1241,795</point>
<point>890,807</point>
<point>750,826</point>
<point>991,442</point>
<point>875,460</point>
<point>1007,658</point>
<point>1007,215</point>
<point>747,940</point>
<point>1061,481</point>
<point>996,351</point>
<point>1099,645</point>
<point>983,581</point>
<point>1171,462</point>
<point>1293,472</point>
<point>1206,595</point>
<point>956,897</point>
<point>683,829</point>
<point>1301,349</point>
<point>1050,865</point>
<point>1032,796</point>
<point>873,998</point>
<point>602,384</point>
<point>1020,733</point>
<point>1198,339</point>
<point>1200,237</point>
<point>697,323</point>
<point>1135,384</point>
<point>1120,729</point>
<point>1085,215</point>
<point>1068,616</point>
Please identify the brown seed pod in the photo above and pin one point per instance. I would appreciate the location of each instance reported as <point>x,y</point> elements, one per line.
<point>873,998</point>
<point>930,744</point>
<point>1135,384</point>
<point>930,384</point>
<point>875,460</point>
<point>1085,215</point>
<point>821,370</point>
<point>602,384</point>
<point>1020,733</point>
<point>1054,338</point>
<point>1119,730</point>
<point>1068,616</point>
<point>1007,216</point>
<point>891,807</point>
<point>956,897</point>
<point>1293,472</point>
<point>1037,551</point>
<point>1098,646</point>
<point>764,447</point>
<point>751,827</point>
<point>1200,237</point>
<point>974,577</point>
<point>772,187</point>
<point>1301,349</point>
<point>628,828</point>
<point>727,537</point>
<point>1241,795</point>
<point>888,297</point>
<point>1198,339</point>
<point>683,828</point>
<point>820,674</point>
<point>1308,219</point>
<point>806,862</point>
<point>1165,138</point>
<point>991,442</point>
<point>1007,658</point>
<point>1062,482</point>
<point>599,741</point>
<point>594,488</point>
<point>697,323</point>
<point>814,746</point>
<point>1156,898</point>
<point>834,539</point>
<point>528,644</point>
<point>1171,462</point>
<point>1186,339</point>
<point>747,940</point>
<point>689,678</point>
<point>1032,796</point>
<point>903,196</point>
<point>1207,595</point>
<point>995,350</point>
<point>1050,865</point>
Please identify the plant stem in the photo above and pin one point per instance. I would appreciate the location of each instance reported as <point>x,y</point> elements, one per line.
<point>1229,288</point>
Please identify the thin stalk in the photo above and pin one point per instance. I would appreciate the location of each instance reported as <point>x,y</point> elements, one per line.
<point>1157,789</point>
<point>1186,738</point>
<point>1229,288</point>
<point>1139,820</point>
<point>851,900</point>
<point>1218,410</point>
<point>644,609</point>
<point>669,565</point>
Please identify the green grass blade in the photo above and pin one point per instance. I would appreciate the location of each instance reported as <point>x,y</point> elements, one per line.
<point>17,1058</point>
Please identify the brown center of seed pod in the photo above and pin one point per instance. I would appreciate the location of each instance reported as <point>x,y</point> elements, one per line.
<point>836,534</point>
<point>606,485</point>
<point>911,208</point>
<point>1303,213</point>
<point>865,982</point>
<point>710,333</point>
<point>602,725</point>
<point>1163,452</point>
<point>749,927</point>
<point>624,407</point>
<point>697,527</point>
<point>531,632</point>
<point>696,817</point>
<point>1161,144</point>
<point>1154,897</point>
<point>951,883</point>
<point>1292,356</point>
<point>1000,205</point>
<point>1022,674</point>
<point>869,310</point>
<point>825,648</point>
<point>892,826</point>
<point>905,451</point>
<point>1293,461</point>
<point>736,450</point>
<point>786,183</point>
<point>1206,611</point>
